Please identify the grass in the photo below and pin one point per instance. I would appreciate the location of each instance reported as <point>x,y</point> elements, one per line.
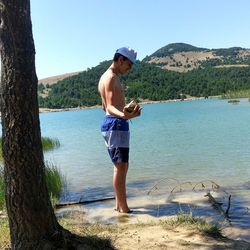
<point>2,202</point>
<point>234,101</point>
<point>93,234</point>
<point>98,236</point>
<point>87,229</point>
<point>4,233</point>
<point>47,143</point>
<point>50,143</point>
<point>55,182</point>
<point>196,223</point>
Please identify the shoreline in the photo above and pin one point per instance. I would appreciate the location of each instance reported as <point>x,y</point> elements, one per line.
<point>48,110</point>
<point>155,208</point>
<point>144,102</point>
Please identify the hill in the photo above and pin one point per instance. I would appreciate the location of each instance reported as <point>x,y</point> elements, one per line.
<point>223,71</point>
<point>55,79</point>
<point>44,84</point>
<point>183,57</point>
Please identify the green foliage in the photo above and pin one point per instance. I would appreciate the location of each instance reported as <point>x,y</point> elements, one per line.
<point>2,199</point>
<point>216,81</point>
<point>76,91</point>
<point>49,143</point>
<point>211,63</point>
<point>237,94</point>
<point>148,82</point>
<point>55,181</point>
<point>191,221</point>
<point>232,52</point>
<point>54,178</point>
<point>234,101</point>
<point>225,61</point>
<point>41,87</point>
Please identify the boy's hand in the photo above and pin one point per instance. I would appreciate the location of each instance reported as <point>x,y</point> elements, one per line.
<point>130,107</point>
<point>132,110</point>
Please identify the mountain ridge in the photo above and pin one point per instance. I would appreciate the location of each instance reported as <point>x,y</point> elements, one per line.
<point>183,57</point>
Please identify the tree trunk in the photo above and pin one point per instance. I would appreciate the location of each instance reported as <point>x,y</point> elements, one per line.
<point>31,216</point>
<point>33,224</point>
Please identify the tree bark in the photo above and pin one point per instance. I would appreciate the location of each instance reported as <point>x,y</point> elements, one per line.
<point>31,216</point>
<point>33,224</point>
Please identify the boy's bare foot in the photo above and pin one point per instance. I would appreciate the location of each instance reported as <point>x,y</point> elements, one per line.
<point>124,212</point>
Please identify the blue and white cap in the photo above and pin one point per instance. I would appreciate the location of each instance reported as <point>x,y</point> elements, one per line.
<point>128,52</point>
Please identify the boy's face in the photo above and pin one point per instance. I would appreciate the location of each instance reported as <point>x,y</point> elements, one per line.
<point>125,65</point>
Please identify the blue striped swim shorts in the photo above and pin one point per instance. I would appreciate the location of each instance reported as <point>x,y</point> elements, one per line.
<point>115,132</point>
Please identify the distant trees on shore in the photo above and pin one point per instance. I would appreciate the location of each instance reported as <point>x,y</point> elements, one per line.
<point>147,82</point>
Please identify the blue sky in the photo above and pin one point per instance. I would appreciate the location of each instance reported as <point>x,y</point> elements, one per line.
<point>79,34</point>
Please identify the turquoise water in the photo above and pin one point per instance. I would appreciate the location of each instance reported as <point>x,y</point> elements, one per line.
<point>189,141</point>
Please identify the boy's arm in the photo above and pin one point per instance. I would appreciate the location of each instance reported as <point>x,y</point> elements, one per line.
<point>110,89</point>
<point>103,106</point>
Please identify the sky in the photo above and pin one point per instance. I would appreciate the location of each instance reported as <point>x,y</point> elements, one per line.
<point>75,35</point>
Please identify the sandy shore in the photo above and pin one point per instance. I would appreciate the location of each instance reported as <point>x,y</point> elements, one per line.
<point>181,237</point>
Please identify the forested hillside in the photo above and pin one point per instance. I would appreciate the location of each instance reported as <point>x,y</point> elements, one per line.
<point>147,81</point>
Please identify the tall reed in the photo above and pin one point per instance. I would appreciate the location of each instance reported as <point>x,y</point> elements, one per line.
<point>47,143</point>
<point>2,199</point>
<point>50,143</point>
<point>55,181</point>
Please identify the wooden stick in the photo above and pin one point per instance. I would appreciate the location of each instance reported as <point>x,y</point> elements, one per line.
<point>82,202</point>
<point>228,205</point>
<point>217,205</point>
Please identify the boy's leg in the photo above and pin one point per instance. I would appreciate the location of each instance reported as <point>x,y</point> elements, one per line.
<point>119,184</point>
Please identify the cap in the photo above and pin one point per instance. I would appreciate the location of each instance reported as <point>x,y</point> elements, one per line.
<point>128,52</point>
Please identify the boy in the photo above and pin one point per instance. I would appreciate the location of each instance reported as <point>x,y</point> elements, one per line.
<point>115,127</point>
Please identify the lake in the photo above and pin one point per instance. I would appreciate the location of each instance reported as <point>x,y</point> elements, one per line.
<point>185,141</point>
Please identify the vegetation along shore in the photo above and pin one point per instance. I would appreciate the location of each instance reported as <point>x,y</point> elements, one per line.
<point>55,180</point>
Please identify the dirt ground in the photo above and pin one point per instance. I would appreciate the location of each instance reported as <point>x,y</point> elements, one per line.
<point>130,237</point>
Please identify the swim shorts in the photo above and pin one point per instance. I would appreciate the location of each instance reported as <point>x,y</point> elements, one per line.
<point>116,134</point>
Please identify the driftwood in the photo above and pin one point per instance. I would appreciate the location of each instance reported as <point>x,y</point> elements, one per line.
<point>228,205</point>
<point>181,185</point>
<point>218,206</point>
<point>80,202</point>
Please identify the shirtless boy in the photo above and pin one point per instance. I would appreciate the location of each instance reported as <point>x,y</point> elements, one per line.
<point>115,127</point>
